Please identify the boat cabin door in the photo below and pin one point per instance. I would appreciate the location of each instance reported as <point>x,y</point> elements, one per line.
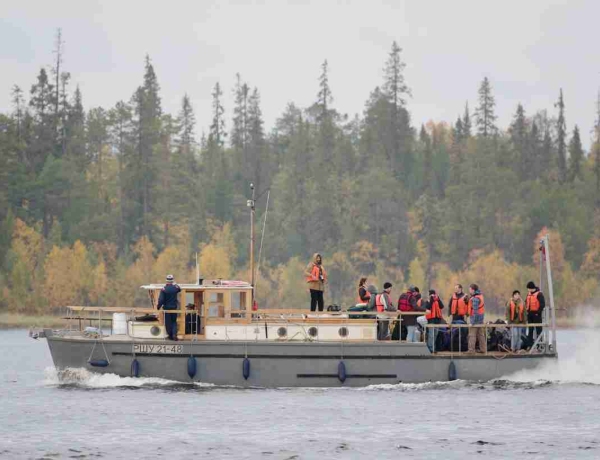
<point>194,320</point>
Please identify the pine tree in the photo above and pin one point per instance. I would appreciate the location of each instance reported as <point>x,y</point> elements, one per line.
<point>561,142</point>
<point>575,156</point>
<point>485,111</point>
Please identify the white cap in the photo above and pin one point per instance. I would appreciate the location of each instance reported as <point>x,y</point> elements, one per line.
<point>170,278</point>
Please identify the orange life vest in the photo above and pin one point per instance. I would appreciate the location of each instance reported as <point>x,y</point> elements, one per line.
<point>367,295</point>
<point>513,306</point>
<point>481,309</point>
<point>435,311</point>
<point>459,306</point>
<point>379,303</point>
<point>315,272</point>
<point>533,303</point>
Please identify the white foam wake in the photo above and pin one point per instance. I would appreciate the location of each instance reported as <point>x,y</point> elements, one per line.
<point>579,358</point>
<point>86,379</point>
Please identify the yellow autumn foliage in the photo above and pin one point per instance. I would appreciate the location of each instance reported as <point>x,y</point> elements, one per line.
<point>69,276</point>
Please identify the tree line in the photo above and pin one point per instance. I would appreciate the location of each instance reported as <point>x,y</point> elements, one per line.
<point>96,202</point>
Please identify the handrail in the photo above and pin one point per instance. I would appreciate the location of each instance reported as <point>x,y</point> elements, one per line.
<point>488,325</point>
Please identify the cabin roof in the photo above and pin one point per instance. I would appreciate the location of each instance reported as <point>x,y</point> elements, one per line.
<point>216,285</point>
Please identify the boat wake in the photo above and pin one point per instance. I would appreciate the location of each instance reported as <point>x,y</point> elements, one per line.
<point>578,363</point>
<point>82,378</point>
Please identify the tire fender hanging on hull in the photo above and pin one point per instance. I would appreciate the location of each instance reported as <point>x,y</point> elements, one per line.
<point>452,371</point>
<point>246,368</point>
<point>135,368</point>
<point>342,372</point>
<point>191,367</point>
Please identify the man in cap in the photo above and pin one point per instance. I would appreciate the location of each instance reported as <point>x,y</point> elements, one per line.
<point>168,300</point>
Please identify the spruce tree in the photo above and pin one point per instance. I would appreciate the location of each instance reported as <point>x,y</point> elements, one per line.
<point>466,122</point>
<point>398,136</point>
<point>561,139</point>
<point>217,128</point>
<point>41,103</point>
<point>597,151</point>
<point>484,114</point>
<point>575,156</point>
<point>425,141</point>
<point>518,136</point>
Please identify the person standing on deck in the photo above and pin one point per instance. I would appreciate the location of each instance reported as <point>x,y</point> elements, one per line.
<point>535,306</point>
<point>477,335</point>
<point>407,302</point>
<point>515,314</point>
<point>433,314</point>
<point>168,300</point>
<point>363,294</point>
<point>383,302</point>
<point>458,305</point>
<point>316,277</point>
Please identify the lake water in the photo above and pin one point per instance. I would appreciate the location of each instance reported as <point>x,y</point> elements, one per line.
<point>553,412</point>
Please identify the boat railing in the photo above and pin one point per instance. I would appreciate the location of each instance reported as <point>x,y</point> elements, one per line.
<point>540,345</point>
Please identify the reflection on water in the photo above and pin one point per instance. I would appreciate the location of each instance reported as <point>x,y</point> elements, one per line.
<point>79,414</point>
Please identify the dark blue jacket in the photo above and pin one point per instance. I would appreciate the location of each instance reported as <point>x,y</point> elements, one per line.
<point>168,297</point>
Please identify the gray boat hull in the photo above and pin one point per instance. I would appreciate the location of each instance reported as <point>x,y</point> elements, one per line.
<point>283,364</point>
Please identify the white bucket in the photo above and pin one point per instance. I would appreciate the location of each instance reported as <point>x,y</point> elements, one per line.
<point>119,324</point>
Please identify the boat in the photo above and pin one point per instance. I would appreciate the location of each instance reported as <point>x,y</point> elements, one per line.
<point>223,339</point>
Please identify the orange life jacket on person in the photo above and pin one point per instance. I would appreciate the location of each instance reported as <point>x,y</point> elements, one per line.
<point>315,272</point>
<point>459,307</point>
<point>513,306</point>
<point>481,309</point>
<point>435,311</point>
<point>379,303</point>
<point>533,303</point>
<point>367,295</point>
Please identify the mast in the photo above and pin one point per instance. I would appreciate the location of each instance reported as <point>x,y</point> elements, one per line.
<point>251,205</point>
<point>546,252</point>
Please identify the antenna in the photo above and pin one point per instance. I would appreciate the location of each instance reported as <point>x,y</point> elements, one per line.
<point>198,280</point>
<point>262,237</point>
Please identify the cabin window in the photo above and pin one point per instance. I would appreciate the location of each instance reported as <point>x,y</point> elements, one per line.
<point>216,305</point>
<point>238,304</point>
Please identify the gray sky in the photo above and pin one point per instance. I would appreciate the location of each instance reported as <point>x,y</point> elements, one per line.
<point>528,49</point>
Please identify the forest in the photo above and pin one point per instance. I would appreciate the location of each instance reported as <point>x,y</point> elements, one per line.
<point>96,201</point>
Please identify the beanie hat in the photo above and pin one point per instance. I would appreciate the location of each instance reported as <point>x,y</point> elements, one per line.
<point>411,288</point>
<point>531,285</point>
<point>170,278</point>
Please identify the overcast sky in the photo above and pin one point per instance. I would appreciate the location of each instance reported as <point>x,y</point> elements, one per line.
<point>528,49</point>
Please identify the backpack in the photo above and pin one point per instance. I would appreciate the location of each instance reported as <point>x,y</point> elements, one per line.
<point>404,302</point>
